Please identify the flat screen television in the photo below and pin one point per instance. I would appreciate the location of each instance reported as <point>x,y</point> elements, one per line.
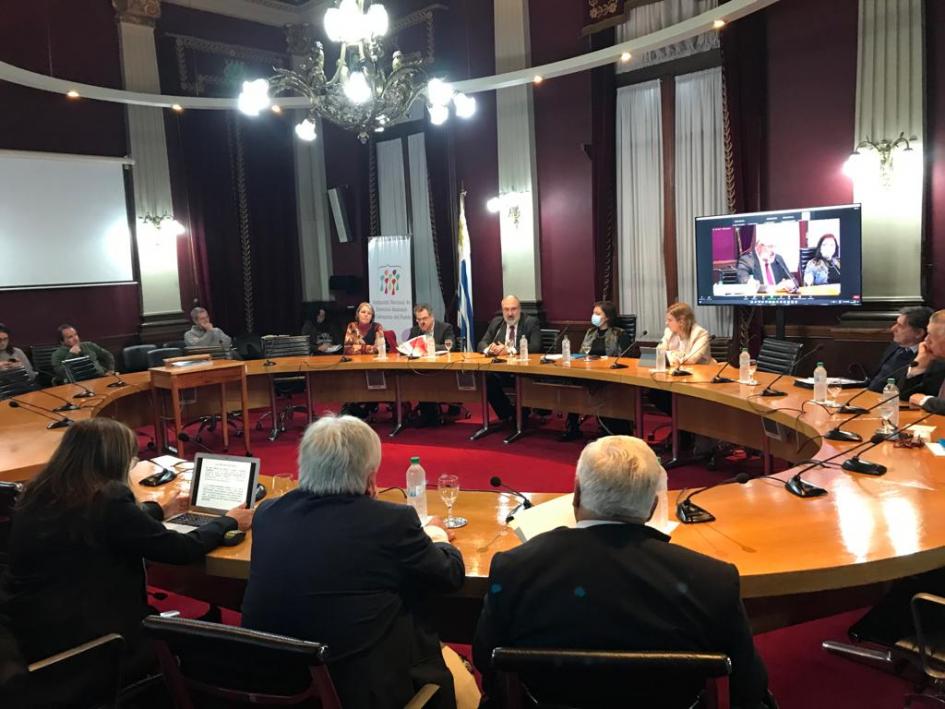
<point>788,257</point>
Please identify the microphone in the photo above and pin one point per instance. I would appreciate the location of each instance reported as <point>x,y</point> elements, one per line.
<point>688,512</point>
<point>855,465</point>
<point>544,358</point>
<point>616,364</point>
<point>66,404</point>
<point>119,382</point>
<point>717,379</point>
<point>525,503</point>
<point>86,393</point>
<point>770,391</point>
<point>847,409</point>
<point>838,434</point>
<point>57,421</point>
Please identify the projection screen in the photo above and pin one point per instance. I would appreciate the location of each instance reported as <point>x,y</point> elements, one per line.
<point>63,220</point>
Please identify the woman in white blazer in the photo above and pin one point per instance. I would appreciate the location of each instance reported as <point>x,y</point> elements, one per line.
<point>685,336</point>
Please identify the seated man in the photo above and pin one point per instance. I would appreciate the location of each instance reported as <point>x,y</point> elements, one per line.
<point>931,366</point>
<point>333,564</point>
<point>615,584</point>
<point>203,333</point>
<point>908,331</point>
<point>501,340</point>
<point>764,266</point>
<point>443,337</point>
<point>70,346</point>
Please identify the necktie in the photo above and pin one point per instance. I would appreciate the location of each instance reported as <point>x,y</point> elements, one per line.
<point>768,273</point>
<point>511,340</point>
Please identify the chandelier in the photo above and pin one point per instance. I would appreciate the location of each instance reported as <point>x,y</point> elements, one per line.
<point>366,92</point>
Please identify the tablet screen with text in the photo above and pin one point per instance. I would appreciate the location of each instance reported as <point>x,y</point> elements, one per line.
<point>223,482</point>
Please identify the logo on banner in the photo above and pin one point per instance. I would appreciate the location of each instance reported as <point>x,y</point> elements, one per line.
<point>390,279</point>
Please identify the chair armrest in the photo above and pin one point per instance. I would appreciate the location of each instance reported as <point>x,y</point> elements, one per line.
<point>421,698</point>
<point>74,651</point>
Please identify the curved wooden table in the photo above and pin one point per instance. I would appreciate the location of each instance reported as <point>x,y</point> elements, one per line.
<point>866,530</point>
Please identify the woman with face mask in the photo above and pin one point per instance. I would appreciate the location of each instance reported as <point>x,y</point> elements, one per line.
<point>603,339</point>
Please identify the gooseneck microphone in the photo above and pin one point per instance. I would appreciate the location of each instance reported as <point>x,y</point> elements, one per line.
<point>119,382</point>
<point>855,465</point>
<point>718,379</point>
<point>86,393</point>
<point>66,404</point>
<point>525,503</point>
<point>847,409</point>
<point>838,434</point>
<point>544,358</point>
<point>616,364</point>
<point>771,391</point>
<point>58,421</point>
<point>688,512</point>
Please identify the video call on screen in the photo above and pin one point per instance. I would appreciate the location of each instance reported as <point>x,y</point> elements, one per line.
<point>801,257</point>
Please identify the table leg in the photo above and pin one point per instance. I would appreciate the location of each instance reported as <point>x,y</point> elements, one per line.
<point>398,404</point>
<point>766,456</point>
<point>223,418</point>
<point>640,429</point>
<point>674,461</point>
<point>244,401</point>
<point>485,410</point>
<point>178,424</point>
<point>274,432</point>
<point>308,398</point>
<point>159,433</point>
<point>519,425</point>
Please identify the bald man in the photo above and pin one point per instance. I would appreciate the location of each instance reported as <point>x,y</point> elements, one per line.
<point>501,340</point>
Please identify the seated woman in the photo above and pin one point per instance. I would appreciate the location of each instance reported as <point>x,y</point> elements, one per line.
<point>602,339</point>
<point>362,335</point>
<point>824,265</point>
<point>11,356</point>
<point>78,545</point>
<point>322,331</point>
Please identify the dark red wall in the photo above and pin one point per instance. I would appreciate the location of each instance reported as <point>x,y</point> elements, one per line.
<point>562,127</point>
<point>74,39</point>
<point>935,78</point>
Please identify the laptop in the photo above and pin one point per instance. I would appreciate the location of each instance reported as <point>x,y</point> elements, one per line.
<point>220,483</point>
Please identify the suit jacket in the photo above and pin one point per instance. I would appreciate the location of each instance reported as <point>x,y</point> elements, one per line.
<point>935,405</point>
<point>750,265</point>
<point>527,325</point>
<point>894,358</point>
<point>80,575</point>
<point>353,572</point>
<point>617,587</point>
<point>441,331</point>
<point>929,382</point>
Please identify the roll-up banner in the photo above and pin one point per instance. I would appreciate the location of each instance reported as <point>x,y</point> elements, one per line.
<point>391,283</point>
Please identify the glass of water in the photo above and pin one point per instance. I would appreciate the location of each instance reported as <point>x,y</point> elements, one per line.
<point>752,368</point>
<point>448,486</point>
<point>448,345</point>
<point>834,391</point>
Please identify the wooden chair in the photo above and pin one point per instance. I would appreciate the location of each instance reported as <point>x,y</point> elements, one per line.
<point>205,661</point>
<point>579,679</point>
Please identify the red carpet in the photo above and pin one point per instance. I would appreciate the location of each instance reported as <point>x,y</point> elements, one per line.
<point>802,675</point>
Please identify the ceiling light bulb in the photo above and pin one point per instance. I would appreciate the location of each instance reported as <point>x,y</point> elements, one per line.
<point>357,89</point>
<point>177,107</point>
<point>439,92</point>
<point>277,109</point>
<point>494,205</point>
<point>851,167</point>
<point>377,20</point>
<point>333,24</point>
<point>538,78</point>
<point>465,105</point>
<point>625,57</point>
<point>718,24</point>
<point>438,114</point>
<point>254,97</point>
<point>72,94</point>
<point>306,130</point>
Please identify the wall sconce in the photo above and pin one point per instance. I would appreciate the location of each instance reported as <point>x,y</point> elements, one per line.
<point>164,224</point>
<point>510,203</point>
<point>883,151</point>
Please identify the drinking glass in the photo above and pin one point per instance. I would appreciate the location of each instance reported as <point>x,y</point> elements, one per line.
<point>752,368</point>
<point>281,483</point>
<point>834,391</point>
<point>448,485</point>
<point>674,357</point>
<point>448,345</point>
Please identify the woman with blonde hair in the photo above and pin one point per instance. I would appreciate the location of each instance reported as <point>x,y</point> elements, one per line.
<point>685,336</point>
<point>363,333</point>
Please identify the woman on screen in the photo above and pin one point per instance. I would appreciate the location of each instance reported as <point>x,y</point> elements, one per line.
<point>363,334</point>
<point>77,549</point>
<point>824,265</point>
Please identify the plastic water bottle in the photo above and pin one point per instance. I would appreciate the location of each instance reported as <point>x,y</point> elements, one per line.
<point>566,351</point>
<point>381,348</point>
<point>890,412</point>
<point>820,383</point>
<point>523,348</point>
<point>660,358</point>
<point>417,488</point>
<point>744,366</point>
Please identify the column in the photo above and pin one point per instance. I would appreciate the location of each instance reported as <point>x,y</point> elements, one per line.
<point>518,181</point>
<point>154,228</point>
<point>311,189</point>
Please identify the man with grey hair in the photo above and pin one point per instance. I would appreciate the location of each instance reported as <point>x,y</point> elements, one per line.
<point>334,564</point>
<point>203,333</point>
<point>613,583</point>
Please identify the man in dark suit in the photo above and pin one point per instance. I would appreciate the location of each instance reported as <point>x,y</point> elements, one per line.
<point>766,267</point>
<point>908,331</point>
<point>443,337</point>
<point>333,564</point>
<point>613,583</point>
<point>931,363</point>
<point>501,340</point>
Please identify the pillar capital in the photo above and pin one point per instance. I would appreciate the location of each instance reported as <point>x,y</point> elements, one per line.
<point>139,12</point>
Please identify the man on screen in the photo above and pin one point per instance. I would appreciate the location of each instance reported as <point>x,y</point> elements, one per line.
<point>764,266</point>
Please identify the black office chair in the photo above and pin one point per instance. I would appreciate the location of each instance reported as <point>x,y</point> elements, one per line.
<point>806,254</point>
<point>157,356</point>
<point>179,344</point>
<point>41,357</point>
<point>629,325</point>
<point>78,369</point>
<point>548,338</point>
<point>135,357</point>
<point>205,661</point>
<point>721,349</point>
<point>729,276</point>
<point>927,649</point>
<point>284,385</point>
<point>588,679</point>
<point>15,381</point>
<point>248,346</point>
<point>220,352</point>
<point>779,356</point>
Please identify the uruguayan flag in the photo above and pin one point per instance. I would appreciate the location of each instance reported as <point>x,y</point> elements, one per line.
<point>465,315</point>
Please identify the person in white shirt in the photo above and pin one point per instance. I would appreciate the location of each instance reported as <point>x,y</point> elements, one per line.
<point>685,336</point>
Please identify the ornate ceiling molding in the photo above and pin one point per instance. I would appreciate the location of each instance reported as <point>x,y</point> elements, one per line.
<point>266,12</point>
<point>139,12</point>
